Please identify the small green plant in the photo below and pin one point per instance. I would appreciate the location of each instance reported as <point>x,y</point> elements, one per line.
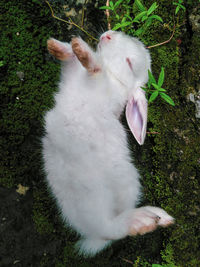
<point>155,88</point>
<point>113,7</point>
<point>145,16</point>
<point>1,63</point>
<point>127,21</point>
<point>179,6</point>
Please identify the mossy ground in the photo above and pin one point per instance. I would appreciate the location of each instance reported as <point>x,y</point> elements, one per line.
<point>32,230</point>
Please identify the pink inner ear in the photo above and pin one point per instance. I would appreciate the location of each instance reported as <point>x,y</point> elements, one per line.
<point>136,115</point>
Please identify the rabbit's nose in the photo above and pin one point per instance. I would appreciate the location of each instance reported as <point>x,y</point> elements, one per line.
<point>106,37</point>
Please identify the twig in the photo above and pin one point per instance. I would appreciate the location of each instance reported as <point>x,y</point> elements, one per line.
<point>83,14</point>
<point>153,133</point>
<point>127,261</point>
<point>165,42</point>
<point>108,14</point>
<point>69,22</point>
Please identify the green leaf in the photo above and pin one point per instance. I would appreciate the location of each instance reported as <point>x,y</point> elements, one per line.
<point>106,7</point>
<point>161,77</point>
<point>144,88</point>
<point>177,9</point>
<point>121,25</point>
<point>126,23</point>
<point>123,19</point>
<point>156,86</point>
<point>156,17</point>
<point>161,90</point>
<point>111,5</point>
<point>118,3</point>
<point>144,18</point>
<point>139,31</point>
<point>147,23</point>
<point>127,16</point>
<point>183,7</point>
<point>153,96</point>
<point>152,8</point>
<point>139,16</point>
<point>151,77</point>
<point>140,5</point>
<point>116,27</point>
<point>167,99</point>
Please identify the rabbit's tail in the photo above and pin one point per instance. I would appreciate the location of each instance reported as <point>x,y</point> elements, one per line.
<point>90,247</point>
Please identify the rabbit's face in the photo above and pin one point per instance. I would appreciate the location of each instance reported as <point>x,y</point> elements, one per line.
<point>126,61</point>
<point>125,58</point>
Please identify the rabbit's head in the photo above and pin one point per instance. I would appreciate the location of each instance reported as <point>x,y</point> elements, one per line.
<point>127,60</point>
<point>125,57</point>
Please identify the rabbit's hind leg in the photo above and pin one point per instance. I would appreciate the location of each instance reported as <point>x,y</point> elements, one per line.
<point>147,219</point>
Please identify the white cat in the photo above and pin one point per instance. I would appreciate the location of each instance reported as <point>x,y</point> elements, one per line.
<point>85,149</point>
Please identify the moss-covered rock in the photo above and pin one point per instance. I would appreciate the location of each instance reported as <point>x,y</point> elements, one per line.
<point>169,161</point>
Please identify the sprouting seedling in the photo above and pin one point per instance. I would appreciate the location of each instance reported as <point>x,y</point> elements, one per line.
<point>113,7</point>
<point>179,6</point>
<point>157,88</point>
<point>143,18</point>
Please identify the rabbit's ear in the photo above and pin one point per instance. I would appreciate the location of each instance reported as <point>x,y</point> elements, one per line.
<point>136,115</point>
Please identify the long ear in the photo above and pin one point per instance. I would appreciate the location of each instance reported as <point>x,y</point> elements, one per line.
<point>136,115</point>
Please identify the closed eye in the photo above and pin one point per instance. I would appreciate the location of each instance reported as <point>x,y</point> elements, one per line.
<point>129,63</point>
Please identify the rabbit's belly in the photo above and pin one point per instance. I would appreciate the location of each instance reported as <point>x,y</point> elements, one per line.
<point>87,167</point>
<point>86,155</point>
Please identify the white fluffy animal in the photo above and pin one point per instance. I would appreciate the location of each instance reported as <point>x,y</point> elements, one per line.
<point>85,149</point>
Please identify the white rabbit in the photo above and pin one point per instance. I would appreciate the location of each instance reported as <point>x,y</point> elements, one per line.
<point>85,149</point>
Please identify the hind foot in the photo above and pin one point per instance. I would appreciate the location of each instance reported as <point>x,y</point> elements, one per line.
<point>147,219</point>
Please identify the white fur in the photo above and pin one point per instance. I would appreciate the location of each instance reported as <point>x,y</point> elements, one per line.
<point>85,149</point>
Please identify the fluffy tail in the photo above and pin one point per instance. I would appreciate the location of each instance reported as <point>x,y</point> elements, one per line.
<point>90,247</point>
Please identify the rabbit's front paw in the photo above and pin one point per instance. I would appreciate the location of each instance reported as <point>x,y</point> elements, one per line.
<point>84,54</point>
<point>59,49</point>
<point>147,219</point>
<point>80,51</point>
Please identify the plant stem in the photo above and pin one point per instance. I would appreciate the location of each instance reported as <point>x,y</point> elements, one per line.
<point>70,22</point>
<point>165,42</point>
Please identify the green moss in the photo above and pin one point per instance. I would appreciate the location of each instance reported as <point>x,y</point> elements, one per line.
<point>41,214</point>
<point>168,162</point>
<point>28,79</point>
<point>171,171</point>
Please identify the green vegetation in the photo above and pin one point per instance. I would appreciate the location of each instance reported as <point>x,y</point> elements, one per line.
<point>179,6</point>
<point>157,90</point>
<point>168,161</point>
<point>126,22</point>
<point>135,20</point>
